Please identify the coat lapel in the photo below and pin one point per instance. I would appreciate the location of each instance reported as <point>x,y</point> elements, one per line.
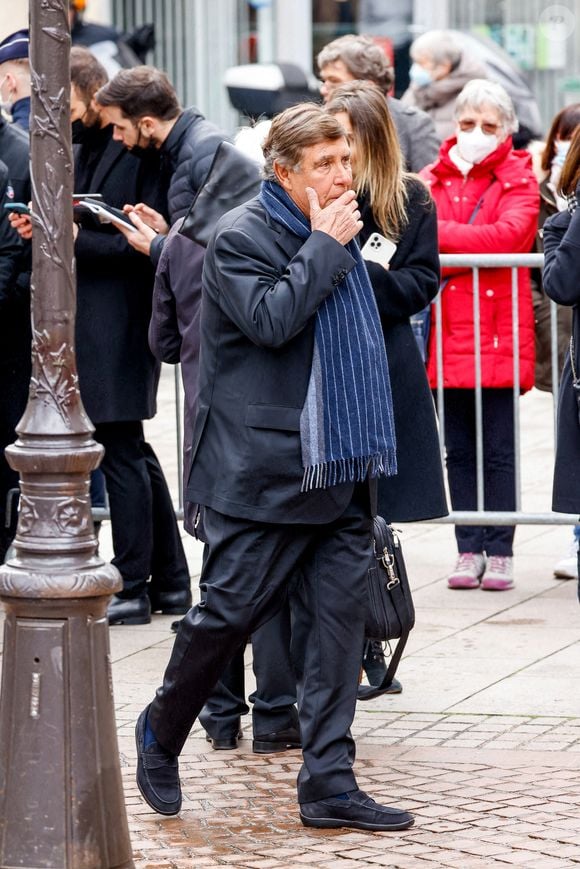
<point>112,153</point>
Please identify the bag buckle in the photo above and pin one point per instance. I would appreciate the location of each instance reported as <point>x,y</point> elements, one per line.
<point>388,561</point>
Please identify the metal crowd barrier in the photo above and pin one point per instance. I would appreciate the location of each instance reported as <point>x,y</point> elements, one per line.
<point>480,516</point>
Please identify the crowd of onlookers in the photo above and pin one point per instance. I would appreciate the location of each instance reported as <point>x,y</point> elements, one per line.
<point>434,172</point>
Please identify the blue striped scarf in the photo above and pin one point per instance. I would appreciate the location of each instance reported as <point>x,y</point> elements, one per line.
<point>347,430</point>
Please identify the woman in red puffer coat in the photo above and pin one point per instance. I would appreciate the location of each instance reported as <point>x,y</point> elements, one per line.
<point>487,202</point>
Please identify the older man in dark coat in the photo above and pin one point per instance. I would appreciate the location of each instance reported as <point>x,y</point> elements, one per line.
<point>290,340</point>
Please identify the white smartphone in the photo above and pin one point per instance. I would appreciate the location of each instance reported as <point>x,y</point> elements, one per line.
<point>378,249</point>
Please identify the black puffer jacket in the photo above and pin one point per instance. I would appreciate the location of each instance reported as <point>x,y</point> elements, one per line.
<point>187,153</point>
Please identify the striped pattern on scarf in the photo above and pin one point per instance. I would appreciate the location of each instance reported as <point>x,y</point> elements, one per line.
<point>347,430</point>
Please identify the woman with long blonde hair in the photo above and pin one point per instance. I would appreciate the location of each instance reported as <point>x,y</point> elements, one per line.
<point>397,206</point>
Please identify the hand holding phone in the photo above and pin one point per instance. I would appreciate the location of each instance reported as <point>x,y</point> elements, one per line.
<point>16,208</point>
<point>378,249</point>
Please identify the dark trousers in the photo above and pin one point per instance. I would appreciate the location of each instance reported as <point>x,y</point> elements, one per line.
<point>14,380</point>
<point>244,583</point>
<point>146,538</point>
<point>498,465</point>
<point>275,695</point>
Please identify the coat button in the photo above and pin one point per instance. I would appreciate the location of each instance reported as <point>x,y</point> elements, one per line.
<point>456,199</point>
<point>507,184</point>
<point>489,292</point>
<point>448,183</point>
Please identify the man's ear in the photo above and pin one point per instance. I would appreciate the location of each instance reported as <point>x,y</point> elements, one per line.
<point>283,176</point>
<point>148,126</point>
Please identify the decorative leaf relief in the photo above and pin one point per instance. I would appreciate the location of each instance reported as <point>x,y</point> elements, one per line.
<point>49,214</point>
<point>54,379</point>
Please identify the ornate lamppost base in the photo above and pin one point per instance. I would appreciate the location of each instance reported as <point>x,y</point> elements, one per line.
<point>61,795</point>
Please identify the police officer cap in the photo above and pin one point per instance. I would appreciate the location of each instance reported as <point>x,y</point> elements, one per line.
<point>15,46</point>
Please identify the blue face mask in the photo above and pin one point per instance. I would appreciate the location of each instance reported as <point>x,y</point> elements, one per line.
<point>420,76</point>
<point>562,149</point>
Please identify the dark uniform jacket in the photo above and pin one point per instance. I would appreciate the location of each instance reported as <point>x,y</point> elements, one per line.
<point>261,289</point>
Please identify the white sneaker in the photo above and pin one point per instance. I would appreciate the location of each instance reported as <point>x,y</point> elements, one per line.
<point>468,571</point>
<point>499,573</point>
<point>567,568</point>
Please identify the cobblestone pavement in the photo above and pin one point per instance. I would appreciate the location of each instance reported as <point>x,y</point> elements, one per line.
<point>483,745</point>
<point>473,809</point>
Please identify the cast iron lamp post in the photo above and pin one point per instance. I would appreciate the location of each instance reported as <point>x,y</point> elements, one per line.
<point>61,796</point>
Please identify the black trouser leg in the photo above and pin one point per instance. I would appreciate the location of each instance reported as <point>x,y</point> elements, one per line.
<point>130,501</point>
<point>327,647</point>
<point>244,580</point>
<point>275,696</point>
<point>169,570</point>
<point>498,464</point>
<point>220,716</point>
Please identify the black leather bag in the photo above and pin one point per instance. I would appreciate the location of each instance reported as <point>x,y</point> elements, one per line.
<point>390,612</point>
<point>232,179</point>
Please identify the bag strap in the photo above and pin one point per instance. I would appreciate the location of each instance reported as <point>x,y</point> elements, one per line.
<point>369,692</point>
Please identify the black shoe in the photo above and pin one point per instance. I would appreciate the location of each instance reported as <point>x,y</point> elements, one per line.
<point>359,812</point>
<point>279,740</point>
<point>129,610</point>
<point>374,662</point>
<point>157,773</point>
<point>369,692</point>
<point>226,743</point>
<point>169,603</point>
<point>175,625</point>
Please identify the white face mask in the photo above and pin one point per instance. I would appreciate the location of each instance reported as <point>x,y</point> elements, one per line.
<point>561,148</point>
<point>420,76</point>
<point>475,146</point>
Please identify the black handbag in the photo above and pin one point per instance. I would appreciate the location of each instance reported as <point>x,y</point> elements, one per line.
<point>232,179</point>
<point>390,614</point>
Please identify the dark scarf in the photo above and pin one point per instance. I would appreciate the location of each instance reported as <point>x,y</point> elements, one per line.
<point>347,430</point>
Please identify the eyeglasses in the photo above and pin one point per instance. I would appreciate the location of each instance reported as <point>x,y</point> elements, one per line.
<point>488,129</point>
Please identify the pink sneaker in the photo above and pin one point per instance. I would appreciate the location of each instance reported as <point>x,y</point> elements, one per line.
<point>499,573</point>
<point>468,571</point>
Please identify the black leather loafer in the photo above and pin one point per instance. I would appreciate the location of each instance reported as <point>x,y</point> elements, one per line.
<point>170,603</point>
<point>225,743</point>
<point>359,812</point>
<point>279,740</point>
<point>157,773</point>
<point>129,611</point>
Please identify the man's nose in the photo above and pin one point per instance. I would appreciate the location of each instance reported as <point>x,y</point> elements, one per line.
<point>344,176</point>
<point>324,91</point>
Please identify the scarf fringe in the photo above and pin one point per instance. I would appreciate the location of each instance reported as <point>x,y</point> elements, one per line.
<point>353,470</point>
